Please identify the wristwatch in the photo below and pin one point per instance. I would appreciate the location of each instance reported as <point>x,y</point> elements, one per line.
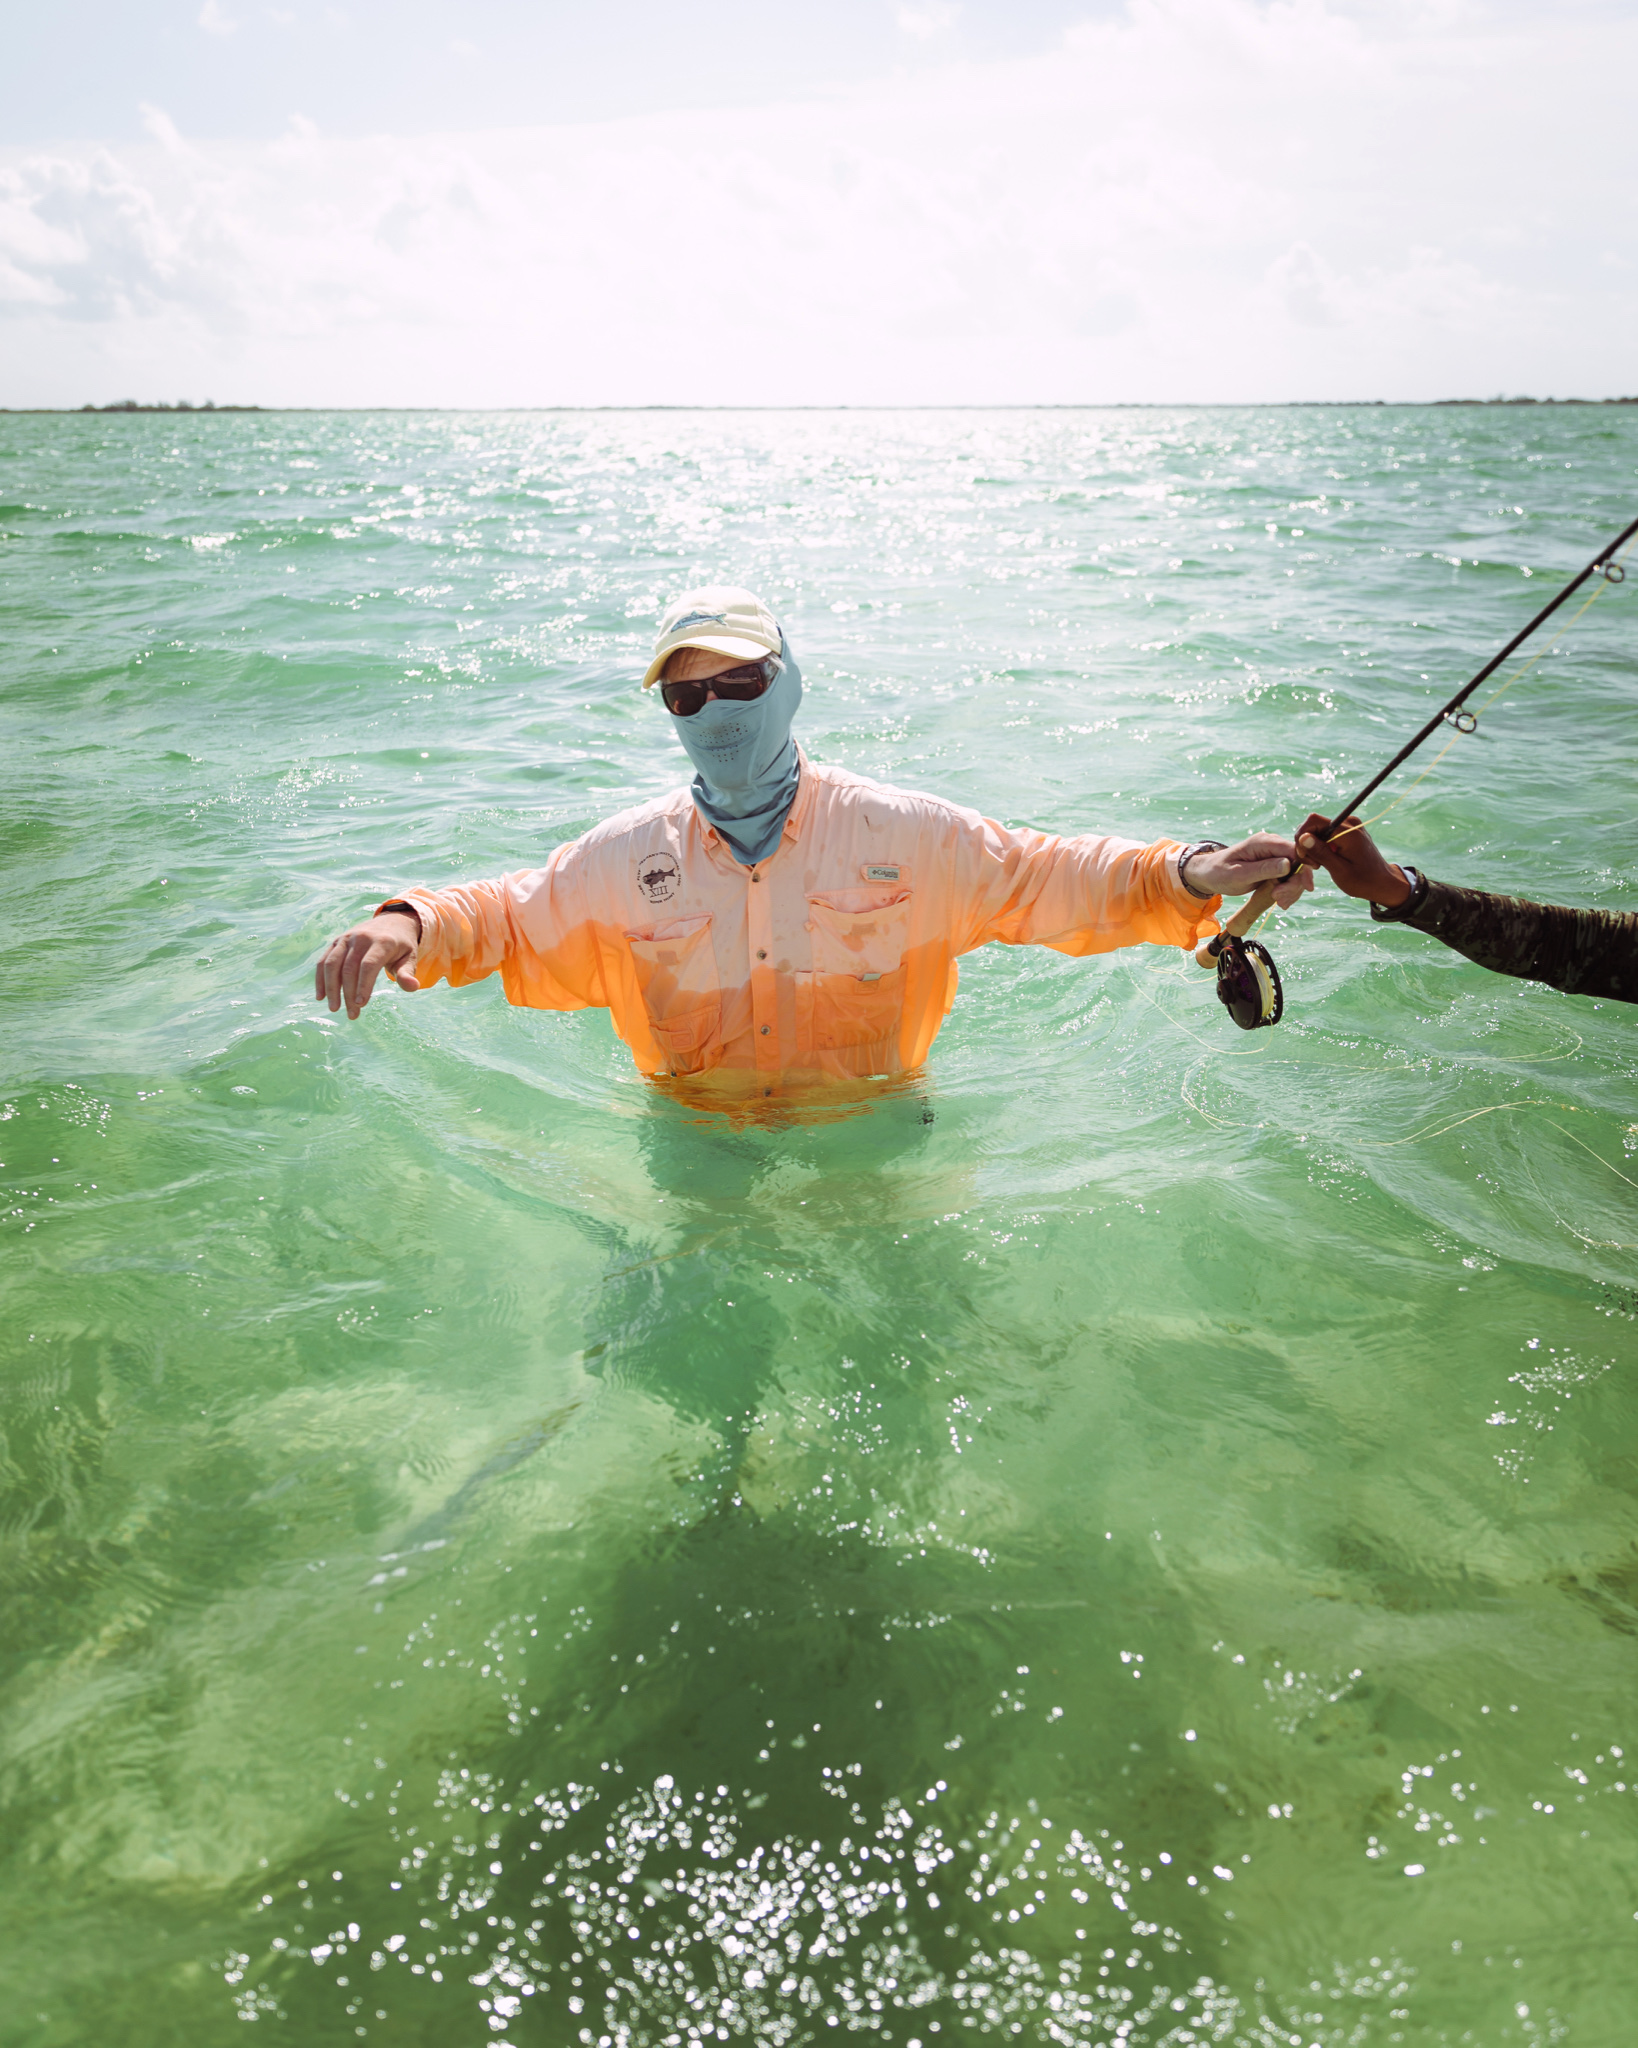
<point>1413,902</point>
<point>1187,853</point>
<point>408,909</point>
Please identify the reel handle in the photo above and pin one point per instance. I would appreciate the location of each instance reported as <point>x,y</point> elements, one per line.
<point>1238,925</point>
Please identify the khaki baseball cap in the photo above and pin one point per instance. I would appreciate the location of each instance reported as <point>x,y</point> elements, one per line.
<point>722,619</point>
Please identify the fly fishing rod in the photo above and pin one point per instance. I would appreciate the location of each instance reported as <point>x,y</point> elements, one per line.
<point>1248,983</point>
<point>1604,561</point>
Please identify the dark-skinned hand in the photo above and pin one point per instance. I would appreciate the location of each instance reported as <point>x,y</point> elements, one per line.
<point>348,966</point>
<point>1353,861</point>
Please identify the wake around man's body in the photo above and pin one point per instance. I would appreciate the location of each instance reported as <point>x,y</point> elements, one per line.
<point>780,920</point>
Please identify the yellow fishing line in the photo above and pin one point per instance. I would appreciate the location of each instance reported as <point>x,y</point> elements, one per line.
<point>1222,1123</point>
<point>1574,1140</point>
<point>1537,1059</point>
<point>1436,1130</point>
<point>1251,1052</point>
<point>1599,1244</point>
<point>1439,1130</point>
<point>1262,1051</point>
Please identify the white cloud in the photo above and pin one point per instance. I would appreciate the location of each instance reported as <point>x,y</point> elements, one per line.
<point>1206,199</point>
<point>214,21</point>
<point>1308,291</point>
<point>86,240</point>
<point>157,123</point>
<point>931,18</point>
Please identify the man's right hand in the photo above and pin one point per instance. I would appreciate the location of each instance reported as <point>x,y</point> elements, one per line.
<point>1352,860</point>
<point>348,966</point>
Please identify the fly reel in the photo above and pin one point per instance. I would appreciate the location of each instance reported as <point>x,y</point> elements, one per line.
<point>1248,982</point>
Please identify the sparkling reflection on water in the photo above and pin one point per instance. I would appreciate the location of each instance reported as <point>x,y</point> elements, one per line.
<point>1130,1536</point>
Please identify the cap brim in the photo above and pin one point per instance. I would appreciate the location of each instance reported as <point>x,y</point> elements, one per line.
<point>712,643</point>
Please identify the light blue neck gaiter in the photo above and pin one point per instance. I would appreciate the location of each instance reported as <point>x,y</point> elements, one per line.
<point>747,762</point>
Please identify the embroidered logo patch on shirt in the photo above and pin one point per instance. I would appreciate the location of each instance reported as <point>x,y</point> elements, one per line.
<point>658,877</point>
<point>880,874</point>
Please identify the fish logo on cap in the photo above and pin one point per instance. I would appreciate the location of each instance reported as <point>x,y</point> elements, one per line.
<point>694,619</point>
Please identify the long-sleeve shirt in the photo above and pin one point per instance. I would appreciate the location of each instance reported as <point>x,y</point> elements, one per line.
<point>835,956</point>
<point>1583,952</point>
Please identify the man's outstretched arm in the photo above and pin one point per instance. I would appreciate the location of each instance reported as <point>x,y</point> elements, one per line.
<point>1092,893</point>
<point>1583,952</point>
<point>535,928</point>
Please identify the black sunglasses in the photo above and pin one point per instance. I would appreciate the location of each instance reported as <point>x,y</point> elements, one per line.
<point>750,679</point>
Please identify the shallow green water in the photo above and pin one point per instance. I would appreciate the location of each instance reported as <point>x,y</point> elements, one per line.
<point>1132,1538</point>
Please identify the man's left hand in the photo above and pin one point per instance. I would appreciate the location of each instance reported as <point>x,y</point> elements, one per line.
<point>1237,870</point>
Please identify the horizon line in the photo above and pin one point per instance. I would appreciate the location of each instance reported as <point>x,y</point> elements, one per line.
<point>128,406</point>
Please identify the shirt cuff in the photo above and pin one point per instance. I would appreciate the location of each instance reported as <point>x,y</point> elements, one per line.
<point>1201,908</point>
<point>1412,903</point>
<point>417,902</point>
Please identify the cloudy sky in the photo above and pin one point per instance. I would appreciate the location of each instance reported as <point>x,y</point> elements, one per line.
<point>520,202</point>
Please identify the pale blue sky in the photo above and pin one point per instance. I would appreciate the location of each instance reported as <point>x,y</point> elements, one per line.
<point>241,68</point>
<point>859,202</point>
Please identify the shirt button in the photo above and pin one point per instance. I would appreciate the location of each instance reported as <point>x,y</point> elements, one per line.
<point>760,954</point>
<point>765,1030</point>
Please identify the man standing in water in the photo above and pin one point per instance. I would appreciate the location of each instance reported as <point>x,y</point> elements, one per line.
<point>779,919</point>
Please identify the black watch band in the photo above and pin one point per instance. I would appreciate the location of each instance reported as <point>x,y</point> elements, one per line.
<point>408,909</point>
<point>1412,903</point>
<point>1186,854</point>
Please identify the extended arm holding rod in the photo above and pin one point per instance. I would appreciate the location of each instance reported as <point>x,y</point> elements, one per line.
<point>1252,1005</point>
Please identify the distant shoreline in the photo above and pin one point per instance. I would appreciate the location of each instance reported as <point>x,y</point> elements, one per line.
<point>184,410</point>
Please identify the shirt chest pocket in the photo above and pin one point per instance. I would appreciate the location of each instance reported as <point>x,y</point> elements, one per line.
<point>677,975</point>
<point>859,940</point>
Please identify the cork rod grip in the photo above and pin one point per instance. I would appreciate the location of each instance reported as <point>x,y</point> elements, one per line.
<point>1240,923</point>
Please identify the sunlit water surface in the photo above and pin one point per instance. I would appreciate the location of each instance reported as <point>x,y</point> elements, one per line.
<point>1131,1537</point>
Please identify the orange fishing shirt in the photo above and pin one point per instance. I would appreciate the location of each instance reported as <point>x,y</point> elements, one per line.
<point>835,956</point>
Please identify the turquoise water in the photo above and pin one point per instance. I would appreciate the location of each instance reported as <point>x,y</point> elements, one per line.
<point>1133,1537</point>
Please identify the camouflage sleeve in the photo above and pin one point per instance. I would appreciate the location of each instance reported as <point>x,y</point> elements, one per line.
<point>1583,952</point>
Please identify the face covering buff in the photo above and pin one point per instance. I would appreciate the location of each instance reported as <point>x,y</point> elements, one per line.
<point>747,762</point>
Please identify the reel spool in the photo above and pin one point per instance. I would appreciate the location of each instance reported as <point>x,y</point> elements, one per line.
<point>1248,982</point>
